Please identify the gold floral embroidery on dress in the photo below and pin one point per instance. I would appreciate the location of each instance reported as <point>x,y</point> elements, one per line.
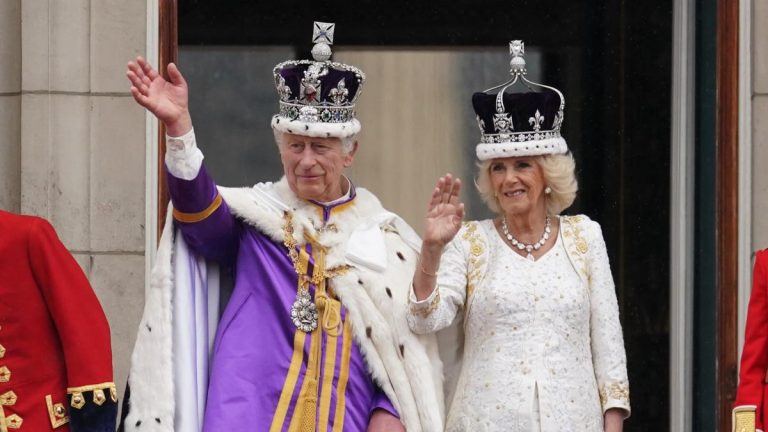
<point>420,310</point>
<point>476,249</point>
<point>575,243</point>
<point>614,391</point>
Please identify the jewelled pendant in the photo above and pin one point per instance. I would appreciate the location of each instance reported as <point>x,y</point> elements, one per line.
<point>304,312</point>
<point>530,257</point>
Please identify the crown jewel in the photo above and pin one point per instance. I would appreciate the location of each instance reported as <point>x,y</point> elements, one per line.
<point>519,124</point>
<point>317,97</point>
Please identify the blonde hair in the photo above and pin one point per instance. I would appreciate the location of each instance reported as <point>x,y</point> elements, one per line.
<point>559,174</point>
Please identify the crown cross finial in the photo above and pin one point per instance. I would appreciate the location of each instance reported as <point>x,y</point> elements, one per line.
<point>323,32</point>
<point>517,63</point>
<point>322,37</point>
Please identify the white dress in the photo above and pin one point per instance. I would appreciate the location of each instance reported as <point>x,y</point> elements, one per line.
<point>543,347</point>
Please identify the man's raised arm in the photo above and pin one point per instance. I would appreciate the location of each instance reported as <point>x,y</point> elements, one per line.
<point>199,210</point>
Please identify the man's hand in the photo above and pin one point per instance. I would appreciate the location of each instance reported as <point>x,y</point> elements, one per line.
<point>383,421</point>
<point>167,100</point>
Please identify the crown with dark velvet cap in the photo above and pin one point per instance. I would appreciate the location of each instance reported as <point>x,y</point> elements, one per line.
<point>317,97</point>
<point>519,124</point>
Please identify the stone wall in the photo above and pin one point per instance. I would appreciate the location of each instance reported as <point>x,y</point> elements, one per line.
<point>72,141</point>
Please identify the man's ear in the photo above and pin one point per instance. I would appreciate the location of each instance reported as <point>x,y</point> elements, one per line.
<point>350,157</point>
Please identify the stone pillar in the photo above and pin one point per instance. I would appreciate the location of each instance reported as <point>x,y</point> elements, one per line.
<point>82,157</point>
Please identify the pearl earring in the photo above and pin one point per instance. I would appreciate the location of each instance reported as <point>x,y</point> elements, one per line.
<point>547,190</point>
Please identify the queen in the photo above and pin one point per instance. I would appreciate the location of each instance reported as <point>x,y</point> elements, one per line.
<point>543,347</point>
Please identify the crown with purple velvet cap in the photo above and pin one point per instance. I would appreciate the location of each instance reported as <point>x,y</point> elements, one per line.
<point>317,97</point>
<point>519,124</point>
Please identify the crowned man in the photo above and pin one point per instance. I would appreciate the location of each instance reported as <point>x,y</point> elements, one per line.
<point>314,336</point>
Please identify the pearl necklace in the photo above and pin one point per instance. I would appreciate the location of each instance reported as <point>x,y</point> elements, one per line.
<point>527,247</point>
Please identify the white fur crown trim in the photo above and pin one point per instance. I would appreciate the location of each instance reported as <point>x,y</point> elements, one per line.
<point>487,151</point>
<point>318,130</point>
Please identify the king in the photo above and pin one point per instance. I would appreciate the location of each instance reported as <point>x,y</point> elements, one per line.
<point>314,336</point>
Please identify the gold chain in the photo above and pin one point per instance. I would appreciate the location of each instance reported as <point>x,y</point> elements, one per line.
<point>301,270</point>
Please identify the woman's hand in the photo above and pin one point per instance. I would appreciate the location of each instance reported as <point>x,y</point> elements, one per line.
<point>444,213</point>
<point>383,421</point>
<point>614,420</point>
<point>167,100</point>
<point>443,221</point>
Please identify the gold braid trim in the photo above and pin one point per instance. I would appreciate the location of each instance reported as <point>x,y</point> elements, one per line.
<point>57,414</point>
<point>744,419</point>
<point>199,216</point>
<point>293,253</point>
<point>99,397</point>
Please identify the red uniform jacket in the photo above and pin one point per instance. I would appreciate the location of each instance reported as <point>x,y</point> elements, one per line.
<point>55,353</point>
<point>751,394</point>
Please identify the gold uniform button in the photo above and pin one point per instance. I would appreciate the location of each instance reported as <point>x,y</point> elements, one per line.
<point>8,398</point>
<point>2,351</point>
<point>5,374</point>
<point>14,421</point>
<point>59,410</point>
<point>98,397</point>
<point>77,400</point>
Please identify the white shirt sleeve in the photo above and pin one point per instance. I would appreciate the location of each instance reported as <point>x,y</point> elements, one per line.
<point>182,157</point>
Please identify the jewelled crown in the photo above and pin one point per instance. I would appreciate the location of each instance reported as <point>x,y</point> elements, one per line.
<point>519,124</point>
<point>317,97</point>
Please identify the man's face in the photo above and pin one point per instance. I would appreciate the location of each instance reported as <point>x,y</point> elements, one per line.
<point>313,166</point>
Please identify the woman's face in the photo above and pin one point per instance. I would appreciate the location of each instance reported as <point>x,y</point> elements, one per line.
<point>518,184</point>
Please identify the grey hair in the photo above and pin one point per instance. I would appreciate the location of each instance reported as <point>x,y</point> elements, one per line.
<point>559,174</point>
<point>347,143</point>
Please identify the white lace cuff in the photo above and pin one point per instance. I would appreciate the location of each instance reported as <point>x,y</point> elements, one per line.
<point>182,157</point>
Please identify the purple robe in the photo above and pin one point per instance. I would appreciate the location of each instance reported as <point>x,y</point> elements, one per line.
<point>259,361</point>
